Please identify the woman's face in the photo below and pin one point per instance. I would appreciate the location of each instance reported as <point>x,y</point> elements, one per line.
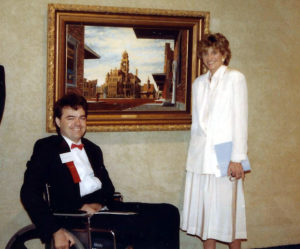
<point>212,59</point>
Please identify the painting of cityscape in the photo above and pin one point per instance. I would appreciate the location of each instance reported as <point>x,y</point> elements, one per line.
<point>126,69</point>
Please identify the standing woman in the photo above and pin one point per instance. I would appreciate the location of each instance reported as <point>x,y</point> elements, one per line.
<point>214,206</point>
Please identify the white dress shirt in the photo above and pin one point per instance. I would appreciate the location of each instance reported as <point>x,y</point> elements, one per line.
<point>88,182</point>
<point>219,115</point>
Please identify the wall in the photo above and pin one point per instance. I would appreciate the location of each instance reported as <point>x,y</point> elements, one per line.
<point>149,166</point>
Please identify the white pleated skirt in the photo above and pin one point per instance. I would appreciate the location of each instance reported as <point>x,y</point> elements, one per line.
<point>214,208</point>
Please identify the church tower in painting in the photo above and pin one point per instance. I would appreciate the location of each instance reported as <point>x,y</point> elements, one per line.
<point>120,83</point>
<point>125,63</point>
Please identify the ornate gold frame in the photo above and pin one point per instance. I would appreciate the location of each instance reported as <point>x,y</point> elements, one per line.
<point>197,24</point>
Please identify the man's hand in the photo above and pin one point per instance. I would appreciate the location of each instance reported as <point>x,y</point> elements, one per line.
<point>236,170</point>
<point>91,208</point>
<point>62,239</point>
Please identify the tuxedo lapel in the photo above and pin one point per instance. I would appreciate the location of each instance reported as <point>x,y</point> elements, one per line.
<point>63,147</point>
<point>89,153</point>
<point>95,158</point>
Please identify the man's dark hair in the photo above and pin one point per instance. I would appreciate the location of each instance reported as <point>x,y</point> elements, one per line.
<point>72,100</point>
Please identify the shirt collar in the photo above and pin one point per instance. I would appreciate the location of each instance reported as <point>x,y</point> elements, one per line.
<point>216,77</point>
<point>218,73</point>
<point>70,142</point>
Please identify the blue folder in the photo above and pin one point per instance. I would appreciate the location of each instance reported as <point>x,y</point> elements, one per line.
<point>223,152</point>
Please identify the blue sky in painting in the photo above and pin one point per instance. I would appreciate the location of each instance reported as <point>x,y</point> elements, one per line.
<point>146,55</point>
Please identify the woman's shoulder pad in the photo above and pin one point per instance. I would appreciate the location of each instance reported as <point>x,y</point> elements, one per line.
<point>233,71</point>
<point>199,79</point>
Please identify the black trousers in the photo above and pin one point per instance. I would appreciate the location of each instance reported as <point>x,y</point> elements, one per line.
<point>154,226</point>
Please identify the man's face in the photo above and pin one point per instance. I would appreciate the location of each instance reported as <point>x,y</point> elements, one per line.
<point>72,123</point>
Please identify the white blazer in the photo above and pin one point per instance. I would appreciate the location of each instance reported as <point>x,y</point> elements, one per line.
<point>219,114</point>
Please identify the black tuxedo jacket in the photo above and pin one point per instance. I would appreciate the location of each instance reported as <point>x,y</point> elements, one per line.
<point>45,167</point>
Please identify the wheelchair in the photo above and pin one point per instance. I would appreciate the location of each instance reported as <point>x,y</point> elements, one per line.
<point>78,225</point>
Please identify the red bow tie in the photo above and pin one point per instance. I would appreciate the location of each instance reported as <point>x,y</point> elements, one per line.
<point>79,146</point>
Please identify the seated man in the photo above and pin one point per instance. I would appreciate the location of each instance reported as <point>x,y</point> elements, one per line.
<point>73,167</point>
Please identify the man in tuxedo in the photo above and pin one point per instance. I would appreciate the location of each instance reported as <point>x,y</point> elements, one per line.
<point>73,167</point>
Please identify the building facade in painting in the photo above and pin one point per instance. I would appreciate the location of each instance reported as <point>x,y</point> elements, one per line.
<point>89,88</point>
<point>148,91</point>
<point>120,83</point>
<point>76,52</point>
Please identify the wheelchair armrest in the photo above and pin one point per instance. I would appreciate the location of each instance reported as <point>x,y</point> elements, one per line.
<point>116,212</point>
<point>74,220</point>
<point>117,196</point>
<point>83,214</point>
<point>74,213</point>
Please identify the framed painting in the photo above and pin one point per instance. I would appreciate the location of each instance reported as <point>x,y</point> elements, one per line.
<point>134,66</point>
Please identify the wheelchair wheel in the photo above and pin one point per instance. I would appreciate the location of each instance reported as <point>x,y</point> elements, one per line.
<point>29,233</point>
<point>25,234</point>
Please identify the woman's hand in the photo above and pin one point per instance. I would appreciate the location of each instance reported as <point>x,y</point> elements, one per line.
<point>235,170</point>
<point>91,208</point>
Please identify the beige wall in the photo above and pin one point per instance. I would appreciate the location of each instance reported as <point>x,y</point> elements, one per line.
<point>264,36</point>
